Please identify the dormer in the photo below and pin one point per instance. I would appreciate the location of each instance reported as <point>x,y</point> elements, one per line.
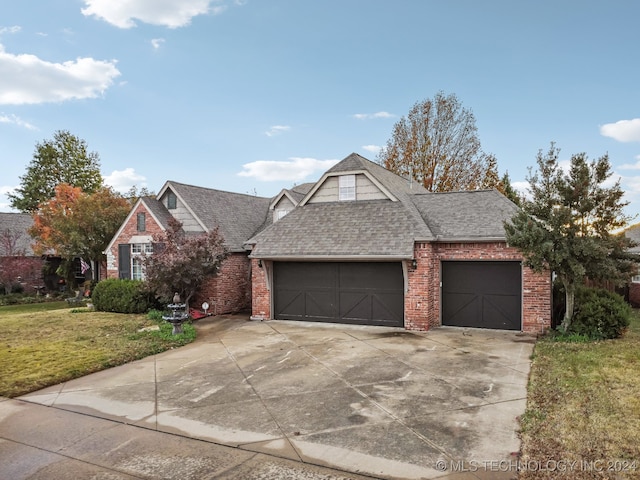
<point>287,200</point>
<point>348,186</point>
<point>282,204</point>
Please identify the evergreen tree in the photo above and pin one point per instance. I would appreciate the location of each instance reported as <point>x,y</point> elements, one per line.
<point>566,223</point>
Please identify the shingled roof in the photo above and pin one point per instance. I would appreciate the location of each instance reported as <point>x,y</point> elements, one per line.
<point>237,215</point>
<point>17,226</point>
<point>355,230</point>
<point>463,216</point>
<point>382,228</point>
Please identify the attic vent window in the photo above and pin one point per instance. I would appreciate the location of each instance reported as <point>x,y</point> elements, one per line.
<point>142,222</point>
<point>171,201</point>
<point>347,187</point>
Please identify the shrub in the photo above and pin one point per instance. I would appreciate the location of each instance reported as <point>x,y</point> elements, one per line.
<point>599,314</point>
<point>122,296</point>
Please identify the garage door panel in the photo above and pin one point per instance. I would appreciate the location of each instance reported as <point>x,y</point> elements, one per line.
<point>482,294</point>
<point>361,293</point>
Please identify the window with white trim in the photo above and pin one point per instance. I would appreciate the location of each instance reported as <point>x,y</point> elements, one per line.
<point>137,264</point>
<point>347,187</point>
<point>635,279</point>
<point>281,212</point>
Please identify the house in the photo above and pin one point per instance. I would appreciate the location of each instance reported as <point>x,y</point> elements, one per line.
<point>361,245</point>
<point>366,246</point>
<point>18,263</point>
<point>200,210</point>
<point>633,232</point>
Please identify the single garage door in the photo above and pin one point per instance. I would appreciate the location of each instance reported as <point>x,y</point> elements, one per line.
<point>482,294</point>
<point>360,293</point>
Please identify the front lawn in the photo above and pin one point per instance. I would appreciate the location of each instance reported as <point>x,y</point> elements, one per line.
<point>583,409</point>
<point>40,347</point>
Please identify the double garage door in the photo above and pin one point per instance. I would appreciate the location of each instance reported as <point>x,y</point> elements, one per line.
<point>360,293</point>
<point>474,294</point>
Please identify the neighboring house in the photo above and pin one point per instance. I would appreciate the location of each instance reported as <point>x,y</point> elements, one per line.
<point>200,210</point>
<point>367,246</point>
<point>633,232</point>
<point>18,263</point>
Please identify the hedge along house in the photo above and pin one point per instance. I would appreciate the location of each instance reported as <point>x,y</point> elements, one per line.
<point>200,210</point>
<point>366,246</point>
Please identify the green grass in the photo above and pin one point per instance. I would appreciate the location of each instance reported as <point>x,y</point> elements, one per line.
<point>583,405</point>
<point>32,307</point>
<point>40,347</point>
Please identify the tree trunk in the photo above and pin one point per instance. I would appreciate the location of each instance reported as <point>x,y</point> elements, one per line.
<point>569,296</point>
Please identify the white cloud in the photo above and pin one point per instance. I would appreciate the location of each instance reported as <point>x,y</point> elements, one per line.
<point>370,116</point>
<point>123,180</point>
<point>295,169</point>
<point>631,166</point>
<point>166,13</point>
<point>5,204</point>
<point>26,79</point>
<point>12,29</point>
<point>623,130</point>
<point>372,148</point>
<point>157,42</point>
<point>10,118</point>
<point>277,130</point>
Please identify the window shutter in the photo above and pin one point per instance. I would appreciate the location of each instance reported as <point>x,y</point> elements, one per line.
<point>124,261</point>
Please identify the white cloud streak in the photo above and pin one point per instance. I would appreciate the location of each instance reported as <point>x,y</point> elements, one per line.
<point>372,148</point>
<point>156,43</point>
<point>372,116</point>
<point>295,169</point>
<point>12,119</point>
<point>622,130</point>
<point>26,79</point>
<point>166,13</point>
<point>12,29</point>
<point>277,130</point>
<point>123,180</point>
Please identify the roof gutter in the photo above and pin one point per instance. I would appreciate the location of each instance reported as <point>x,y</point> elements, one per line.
<point>334,258</point>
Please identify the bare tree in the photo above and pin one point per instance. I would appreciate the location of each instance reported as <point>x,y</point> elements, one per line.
<point>437,144</point>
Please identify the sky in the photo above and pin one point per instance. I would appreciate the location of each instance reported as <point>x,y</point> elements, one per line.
<point>253,96</point>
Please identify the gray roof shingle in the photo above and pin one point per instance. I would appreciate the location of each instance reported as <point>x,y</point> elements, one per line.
<point>342,229</point>
<point>469,215</point>
<point>238,216</point>
<point>17,225</point>
<point>384,228</point>
<point>158,210</point>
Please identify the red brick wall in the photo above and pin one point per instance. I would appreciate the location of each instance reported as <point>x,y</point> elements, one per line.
<point>422,301</point>
<point>260,297</point>
<point>634,294</point>
<point>130,229</point>
<point>230,290</point>
<point>23,269</point>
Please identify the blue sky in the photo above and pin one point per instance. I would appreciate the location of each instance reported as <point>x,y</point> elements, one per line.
<point>253,96</point>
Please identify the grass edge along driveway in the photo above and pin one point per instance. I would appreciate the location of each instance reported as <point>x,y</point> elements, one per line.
<point>583,409</point>
<point>39,348</point>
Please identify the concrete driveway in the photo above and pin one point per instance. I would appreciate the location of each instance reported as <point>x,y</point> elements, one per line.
<point>376,401</point>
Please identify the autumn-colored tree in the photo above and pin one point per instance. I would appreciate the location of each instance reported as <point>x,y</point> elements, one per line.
<point>78,224</point>
<point>64,159</point>
<point>182,263</point>
<point>437,144</point>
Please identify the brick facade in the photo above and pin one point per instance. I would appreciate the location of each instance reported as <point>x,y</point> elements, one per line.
<point>260,293</point>
<point>634,294</point>
<point>422,300</point>
<point>130,230</point>
<point>230,290</point>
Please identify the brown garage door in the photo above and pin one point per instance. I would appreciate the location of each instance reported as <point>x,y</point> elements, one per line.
<point>482,294</point>
<point>360,293</point>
